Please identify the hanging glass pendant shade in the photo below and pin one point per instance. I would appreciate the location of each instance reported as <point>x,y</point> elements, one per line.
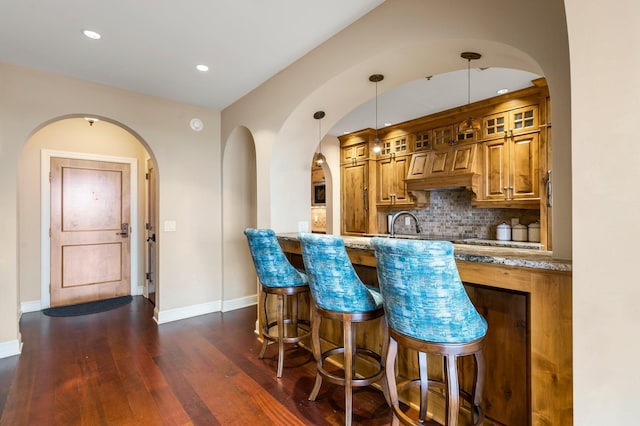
<point>319,158</point>
<point>470,125</point>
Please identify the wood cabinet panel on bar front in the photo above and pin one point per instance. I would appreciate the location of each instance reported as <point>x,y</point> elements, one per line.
<point>506,164</point>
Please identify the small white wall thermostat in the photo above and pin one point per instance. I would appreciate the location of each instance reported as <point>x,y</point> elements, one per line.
<point>196,124</point>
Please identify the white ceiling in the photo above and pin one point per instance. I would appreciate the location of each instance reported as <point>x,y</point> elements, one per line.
<point>153,46</point>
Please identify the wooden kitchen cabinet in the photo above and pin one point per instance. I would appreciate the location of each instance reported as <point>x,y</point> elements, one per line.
<point>511,122</point>
<point>357,184</point>
<point>317,174</point>
<point>504,164</point>
<point>395,146</point>
<point>510,171</point>
<point>442,137</point>
<point>354,153</point>
<point>391,174</point>
<point>422,141</point>
<point>447,136</point>
<point>354,198</point>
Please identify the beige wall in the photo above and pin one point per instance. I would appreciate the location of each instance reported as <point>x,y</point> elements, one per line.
<point>189,173</point>
<point>239,213</point>
<point>76,136</point>
<point>605,84</point>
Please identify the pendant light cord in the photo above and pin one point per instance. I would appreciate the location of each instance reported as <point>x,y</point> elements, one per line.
<point>320,134</point>
<point>468,81</point>
<point>376,111</point>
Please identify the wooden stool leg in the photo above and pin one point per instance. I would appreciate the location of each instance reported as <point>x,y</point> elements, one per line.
<point>294,316</point>
<point>384,332</point>
<point>266,324</point>
<point>424,385</point>
<point>281,334</point>
<point>349,357</point>
<point>478,387</point>
<point>390,365</point>
<point>453,390</point>
<point>317,353</point>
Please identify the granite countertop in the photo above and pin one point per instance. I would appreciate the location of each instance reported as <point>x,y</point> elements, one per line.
<point>472,251</point>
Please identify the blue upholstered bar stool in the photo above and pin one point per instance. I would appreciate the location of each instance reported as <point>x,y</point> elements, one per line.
<point>428,310</point>
<point>277,276</point>
<point>338,294</point>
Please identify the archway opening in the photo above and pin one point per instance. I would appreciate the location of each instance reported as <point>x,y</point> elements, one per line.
<point>77,137</point>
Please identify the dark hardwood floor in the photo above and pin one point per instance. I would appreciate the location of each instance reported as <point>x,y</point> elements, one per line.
<point>121,368</point>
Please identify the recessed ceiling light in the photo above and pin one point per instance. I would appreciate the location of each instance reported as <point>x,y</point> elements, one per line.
<point>92,34</point>
<point>387,124</point>
<point>502,91</point>
<point>202,67</point>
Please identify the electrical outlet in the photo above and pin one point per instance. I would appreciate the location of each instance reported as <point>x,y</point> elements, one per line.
<point>407,221</point>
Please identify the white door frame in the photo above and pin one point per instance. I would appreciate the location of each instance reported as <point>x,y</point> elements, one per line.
<point>45,216</point>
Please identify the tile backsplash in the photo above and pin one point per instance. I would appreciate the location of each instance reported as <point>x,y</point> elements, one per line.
<point>450,214</point>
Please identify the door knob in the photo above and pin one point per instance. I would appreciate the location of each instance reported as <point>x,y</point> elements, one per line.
<point>124,230</point>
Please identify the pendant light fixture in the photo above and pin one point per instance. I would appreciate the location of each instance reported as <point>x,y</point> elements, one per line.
<point>376,78</point>
<point>319,158</point>
<point>470,125</point>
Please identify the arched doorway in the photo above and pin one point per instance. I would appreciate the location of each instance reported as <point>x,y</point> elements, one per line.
<point>75,137</point>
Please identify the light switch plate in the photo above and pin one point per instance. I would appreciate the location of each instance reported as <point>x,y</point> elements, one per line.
<point>407,221</point>
<point>169,226</point>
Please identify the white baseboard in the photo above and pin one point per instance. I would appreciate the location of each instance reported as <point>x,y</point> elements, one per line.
<point>242,302</point>
<point>30,306</point>
<point>177,314</point>
<point>187,312</point>
<point>10,348</point>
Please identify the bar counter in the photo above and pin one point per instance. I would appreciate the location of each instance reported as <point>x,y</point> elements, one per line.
<point>525,296</point>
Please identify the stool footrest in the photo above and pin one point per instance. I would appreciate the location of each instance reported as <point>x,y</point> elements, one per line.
<point>306,328</point>
<point>356,381</point>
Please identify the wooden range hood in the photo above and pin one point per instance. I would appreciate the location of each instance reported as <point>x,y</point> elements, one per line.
<point>455,167</point>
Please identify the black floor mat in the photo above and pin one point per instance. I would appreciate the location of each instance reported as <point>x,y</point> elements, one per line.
<point>87,308</point>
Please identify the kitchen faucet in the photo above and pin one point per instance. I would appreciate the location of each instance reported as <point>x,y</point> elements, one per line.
<point>397,215</point>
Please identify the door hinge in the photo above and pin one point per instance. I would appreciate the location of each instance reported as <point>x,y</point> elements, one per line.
<point>146,176</point>
<point>49,232</point>
<point>49,176</point>
<point>147,226</point>
<point>147,275</point>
